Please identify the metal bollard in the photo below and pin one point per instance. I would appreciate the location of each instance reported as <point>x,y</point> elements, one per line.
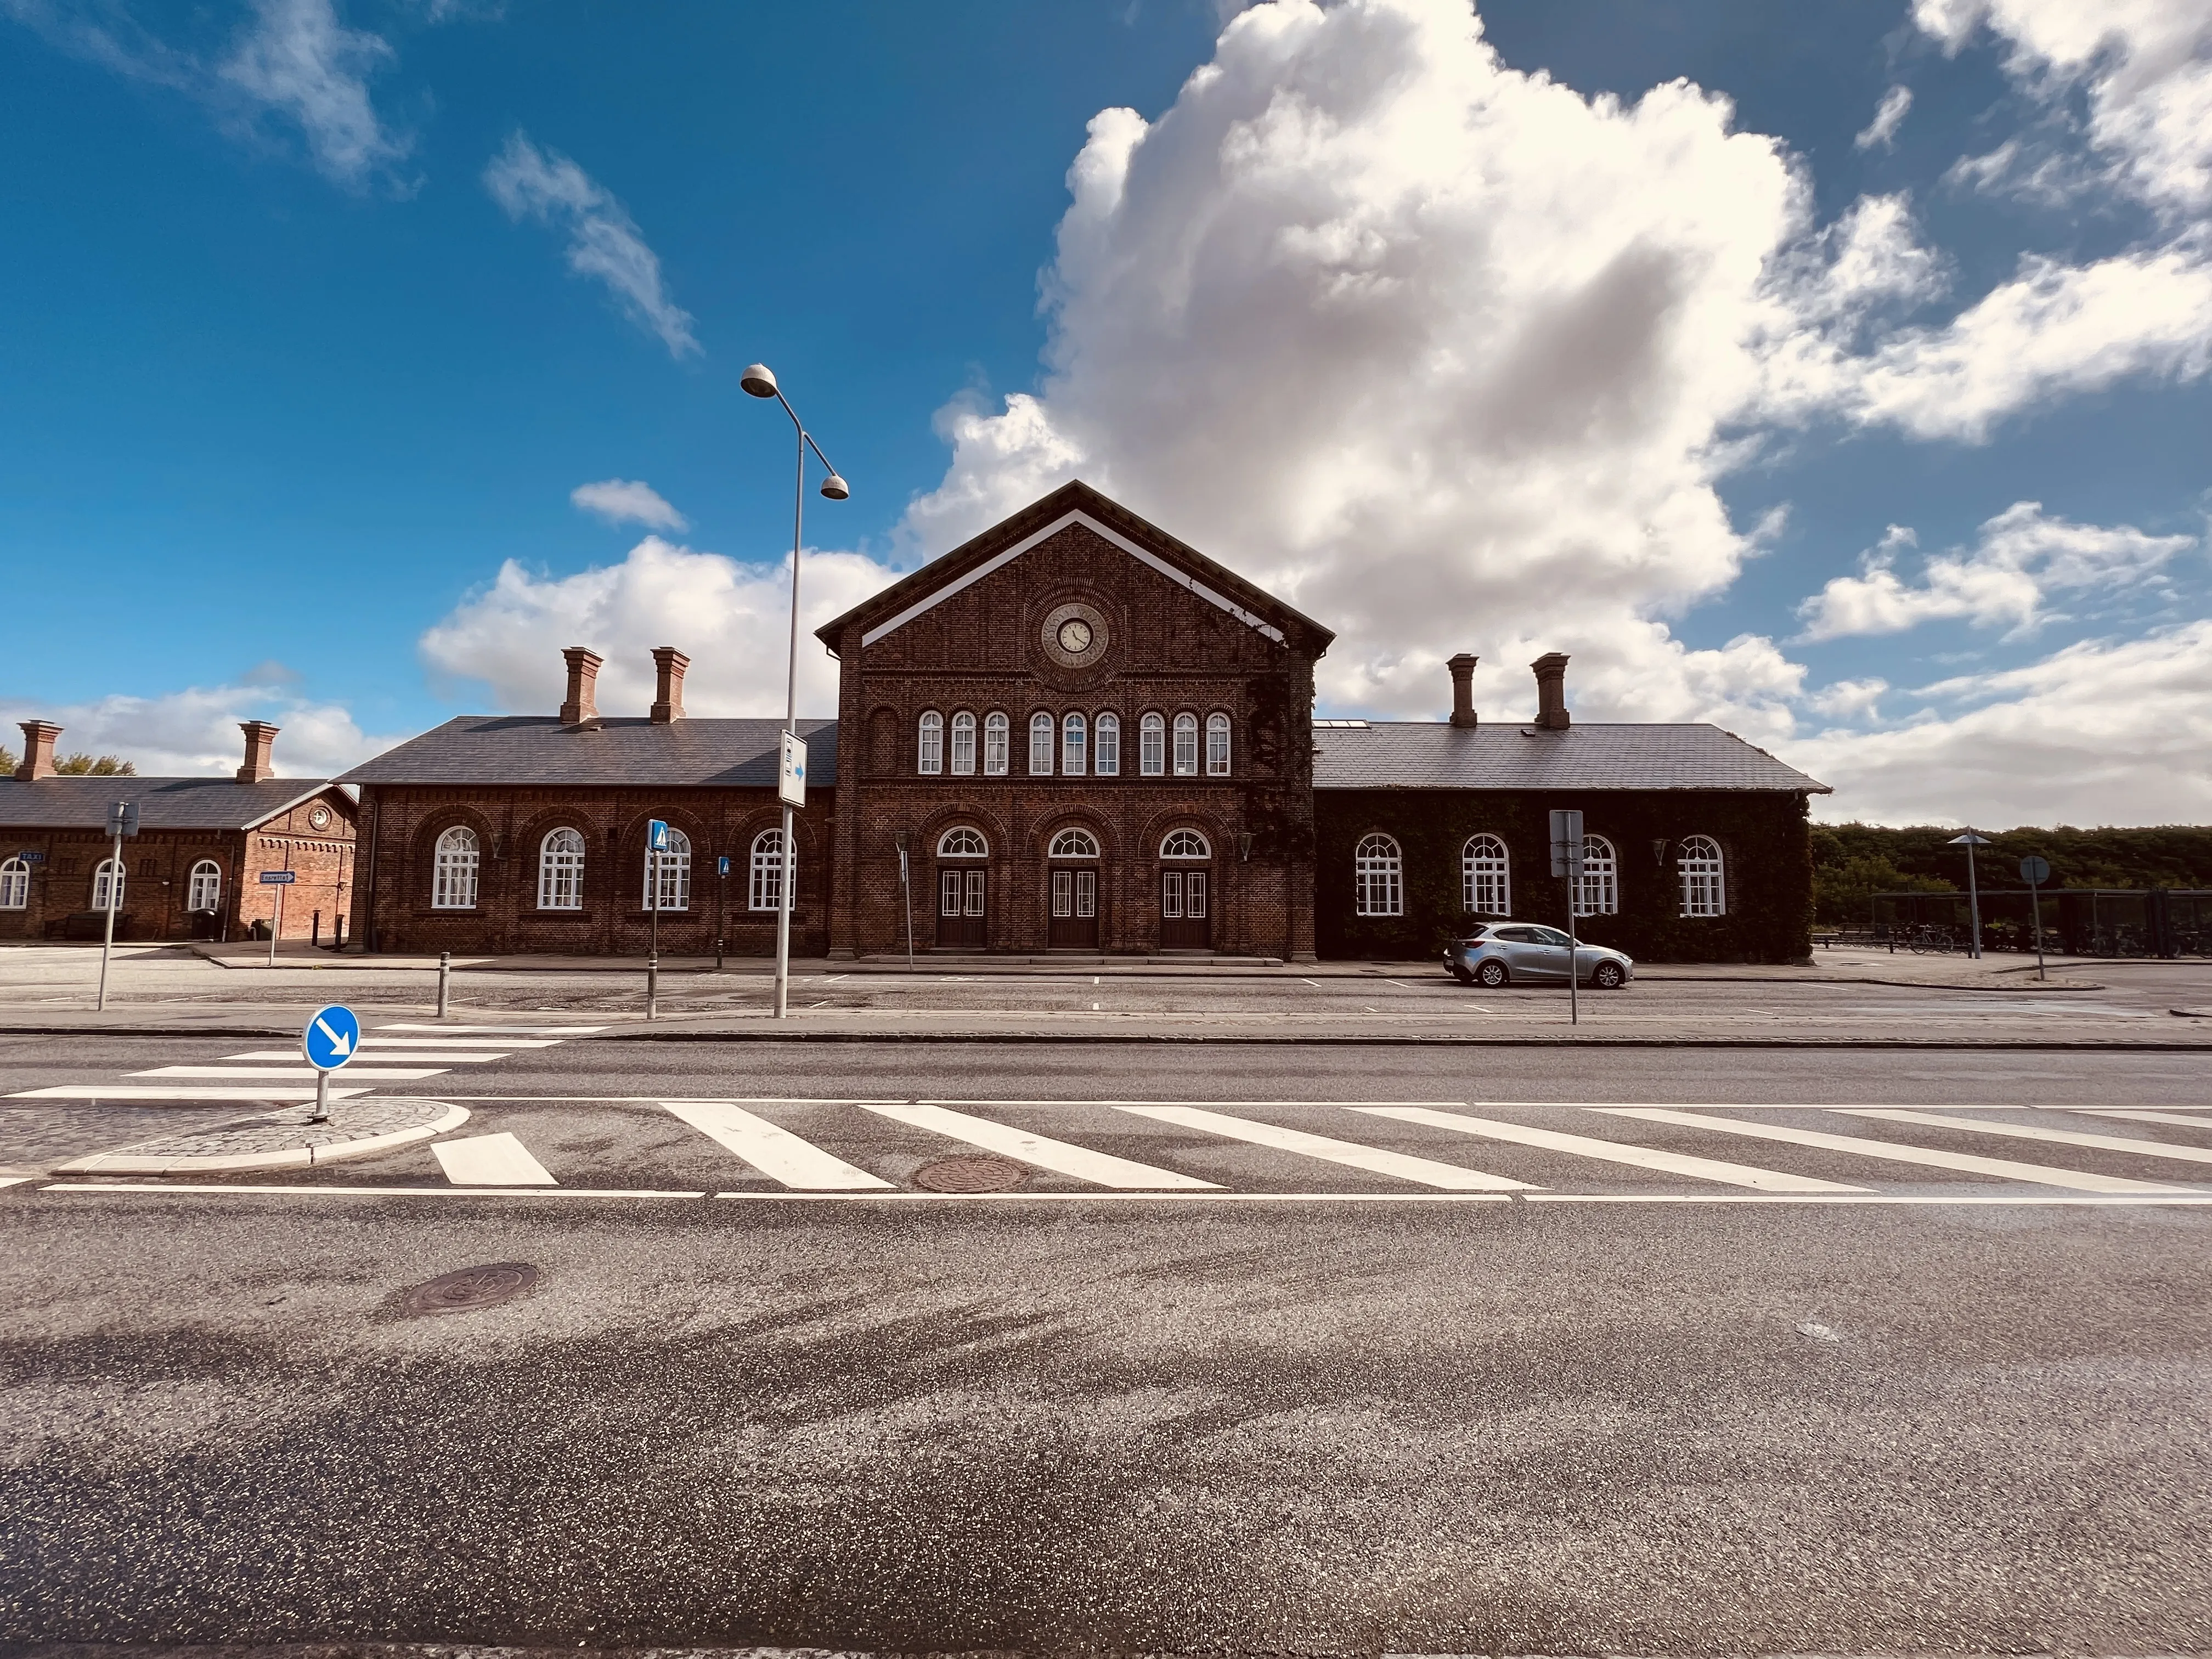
<point>445,983</point>
<point>653,986</point>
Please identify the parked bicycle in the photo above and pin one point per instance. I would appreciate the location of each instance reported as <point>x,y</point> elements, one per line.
<point>1928,937</point>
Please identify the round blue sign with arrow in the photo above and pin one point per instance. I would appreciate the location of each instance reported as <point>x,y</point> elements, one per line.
<point>331,1037</point>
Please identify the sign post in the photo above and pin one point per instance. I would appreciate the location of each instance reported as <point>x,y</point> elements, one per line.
<point>122,820</point>
<point>329,1039</point>
<point>280,879</point>
<point>722,906</point>
<point>2035,871</point>
<point>791,789</point>
<point>906,892</point>
<point>656,842</point>
<point>1567,863</point>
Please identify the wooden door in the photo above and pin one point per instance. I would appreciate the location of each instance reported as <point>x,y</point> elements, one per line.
<point>961,906</point>
<point>1074,909</point>
<point>1186,919</point>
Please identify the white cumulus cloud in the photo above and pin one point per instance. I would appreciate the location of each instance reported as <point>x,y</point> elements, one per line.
<point>194,733</point>
<point>1888,116</point>
<point>604,241</point>
<point>629,501</point>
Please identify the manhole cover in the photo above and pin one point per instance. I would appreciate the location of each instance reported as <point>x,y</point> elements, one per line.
<point>471,1288</point>
<point>970,1175</point>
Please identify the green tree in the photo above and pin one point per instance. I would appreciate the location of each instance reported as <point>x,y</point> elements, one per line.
<point>1842,893</point>
<point>82,766</point>
<point>8,761</point>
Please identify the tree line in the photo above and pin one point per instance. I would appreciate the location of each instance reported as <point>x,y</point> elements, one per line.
<point>1852,862</point>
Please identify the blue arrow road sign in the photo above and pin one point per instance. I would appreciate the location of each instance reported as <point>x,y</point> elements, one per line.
<point>331,1037</point>
<point>656,835</point>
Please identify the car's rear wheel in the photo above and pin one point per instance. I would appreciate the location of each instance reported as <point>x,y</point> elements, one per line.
<point>1608,976</point>
<point>1493,975</point>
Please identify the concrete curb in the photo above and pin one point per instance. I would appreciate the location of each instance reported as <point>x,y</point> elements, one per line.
<point>287,1157</point>
<point>1415,1040</point>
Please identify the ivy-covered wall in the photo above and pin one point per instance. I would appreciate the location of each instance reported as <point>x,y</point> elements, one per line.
<point>1764,848</point>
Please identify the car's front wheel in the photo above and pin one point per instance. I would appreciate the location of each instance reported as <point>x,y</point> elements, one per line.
<point>1493,975</point>
<point>1608,976</point>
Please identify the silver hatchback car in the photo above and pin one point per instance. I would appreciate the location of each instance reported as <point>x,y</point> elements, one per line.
<point>1522,953</point>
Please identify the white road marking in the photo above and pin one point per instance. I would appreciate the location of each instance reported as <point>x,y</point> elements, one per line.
<point>2003,1169</point>
<point>1058,1156</point>
<point>15,1180</point>
<point>770,1148</point>
<point>2062,1137</point>
<point>267,1055</point>
<point>1315,983</point>
<point>478,1030</point>
<point>2145,1116</point>
<point>1645,1157</point>
<point>433,1045</point>
<point>275,1092</point>
<point>1427,1172</point>
<point>497,1160</point>
<point>336,1191</point>
<point>293,1073</point>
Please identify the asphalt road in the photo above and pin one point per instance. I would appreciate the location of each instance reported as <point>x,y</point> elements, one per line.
<point>1317,1407</point>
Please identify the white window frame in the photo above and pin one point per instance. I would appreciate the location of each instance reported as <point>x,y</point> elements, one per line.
<point>955,843</point>
<point>456,867</point>
<point>675,874</point>
<point>1703,870</point>
<point>1486,877</point>
<point>1598,892</point>
<point>996,745</point>
<point>1074,746</point>
<point>1153,746</point>
<point>560,869</point>
<point>929,744</point>
<point>120,873</point>
<point>1044,734</point>
<point>14,885</point>
<point>204,883</point>
<point>1073,844</point>
<point>1217,745</point>
<point>963,745</point>
<point>1185,745</point>
<point>1378,872</point>
<point>1185,844</point>
<point>1106,745</point>
<point>765,885</point>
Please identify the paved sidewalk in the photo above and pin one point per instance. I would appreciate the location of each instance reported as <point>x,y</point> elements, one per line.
<point>286,1139</point>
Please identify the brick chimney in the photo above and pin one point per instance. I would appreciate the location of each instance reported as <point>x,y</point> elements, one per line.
<point>38,750</point>
<point>1552,691</point>
<point>580,707</point>
<point>260,738</point>
<point>1462,673</point>
<point>668,666</point>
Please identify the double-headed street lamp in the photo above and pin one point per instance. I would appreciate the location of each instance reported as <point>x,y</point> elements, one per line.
<point>760,380</point>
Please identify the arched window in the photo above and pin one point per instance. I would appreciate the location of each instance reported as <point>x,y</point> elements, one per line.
<point>1073,844</point>
<point>14,885</point>
<point>675,873</point>
<point>1598,893</point>
<point>203,892</point>
<point>1217,745</point>
<point>1185,745</point>
<point>1040,728</point>
<point>1486,877</point>
<point>964,745</point>
<point>994,746</point>
<point>561,871</point>
<point>1376,872</point>
<point>767,886</point>
<point>962,842</point>
<point>1705,891</point>
<point>109,871</point>
<point>1185,844</point>
<point>1151,746</point>
<point>1074,742</point>
<point>931,749</point>
<point>454,867</point>
<point>1106,747</point>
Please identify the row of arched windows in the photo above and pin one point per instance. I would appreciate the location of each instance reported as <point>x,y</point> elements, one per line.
<point>203,889</point>
<point>963,842</point>
<point>457,862</point>
<point>1486,878</point>
<point>1072,745</point>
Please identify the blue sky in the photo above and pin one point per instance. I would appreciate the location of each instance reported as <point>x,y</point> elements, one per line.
<point>1495,341</point>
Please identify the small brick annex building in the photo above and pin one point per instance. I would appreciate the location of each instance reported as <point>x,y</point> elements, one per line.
<point>1084,736</point>
<point>194,869</point>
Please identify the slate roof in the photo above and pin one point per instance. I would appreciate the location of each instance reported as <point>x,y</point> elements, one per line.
<point>537,749</point>
<point>80,803</point>
<point>1435,755</point>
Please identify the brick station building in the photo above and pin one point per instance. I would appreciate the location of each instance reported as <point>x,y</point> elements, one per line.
<point>193,870</point>
<point>1085,737</point>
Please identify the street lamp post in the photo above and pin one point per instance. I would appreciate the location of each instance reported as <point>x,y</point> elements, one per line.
<point>1970,840</point>
<point>760,380</point>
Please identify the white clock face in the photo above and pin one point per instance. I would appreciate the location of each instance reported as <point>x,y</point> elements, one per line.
<point>319,818</point>
<point>1075,636</point>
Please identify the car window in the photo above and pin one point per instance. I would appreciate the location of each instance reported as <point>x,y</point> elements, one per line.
<point>1551,936</point>
<point>1514,935</point>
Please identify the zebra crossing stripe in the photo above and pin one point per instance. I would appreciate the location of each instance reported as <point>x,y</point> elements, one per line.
<point>772,1149</point>
<point>297,1073</point>
<point>1428,1172</point>
<point>1614,1151</point>
<point>1102,1169</point>
<point>2018,1131</point>
<point>2145,1116</point>
<point>498,1160</point>
<point>2004,1168</point>
<point>269,1054</point>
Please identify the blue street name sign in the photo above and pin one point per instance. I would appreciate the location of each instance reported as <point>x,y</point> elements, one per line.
<point>656,835</point>
<point>331,1037</point>
<point>278,877</point>
<point>722,867</point>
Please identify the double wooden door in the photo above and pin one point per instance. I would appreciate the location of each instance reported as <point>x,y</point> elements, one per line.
<point>963,897</point>
<point>1185,918</point>
<point>1074,924</point>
